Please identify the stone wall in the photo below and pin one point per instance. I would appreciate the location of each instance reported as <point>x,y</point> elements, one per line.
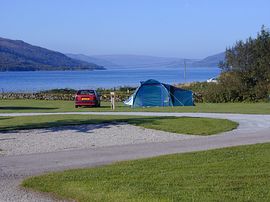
<point>120,97</point>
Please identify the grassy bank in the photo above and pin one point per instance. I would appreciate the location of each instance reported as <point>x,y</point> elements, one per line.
<point>231,174</point>
<point>9,106</point>
<point>185,125</point>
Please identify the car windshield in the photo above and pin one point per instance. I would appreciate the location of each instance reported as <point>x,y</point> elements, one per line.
<point>86,92</point>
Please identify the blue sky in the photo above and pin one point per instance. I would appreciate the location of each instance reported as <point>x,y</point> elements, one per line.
<point>176,28</point>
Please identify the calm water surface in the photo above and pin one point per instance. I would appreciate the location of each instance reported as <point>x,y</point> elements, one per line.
<point>44,80</point>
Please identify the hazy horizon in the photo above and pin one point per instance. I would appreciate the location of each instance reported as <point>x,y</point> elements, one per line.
<point>180,29</point>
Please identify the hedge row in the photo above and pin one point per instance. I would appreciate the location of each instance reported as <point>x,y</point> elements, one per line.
<point>225,92</point>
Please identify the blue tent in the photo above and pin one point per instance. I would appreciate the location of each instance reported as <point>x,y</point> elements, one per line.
<point>153,93</point>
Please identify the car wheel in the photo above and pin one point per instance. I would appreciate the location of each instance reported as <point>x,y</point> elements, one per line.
<point>76,106</point>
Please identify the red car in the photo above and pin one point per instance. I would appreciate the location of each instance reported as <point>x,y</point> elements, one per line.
<point>88,98</point>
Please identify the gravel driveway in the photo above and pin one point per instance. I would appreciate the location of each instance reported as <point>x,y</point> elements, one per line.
<point>80,137</point>
<point>34,152</point>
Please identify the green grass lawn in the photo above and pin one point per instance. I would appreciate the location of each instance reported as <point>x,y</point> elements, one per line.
<point>8,106</point>
<point>186,125</point>
<point>231,174</point>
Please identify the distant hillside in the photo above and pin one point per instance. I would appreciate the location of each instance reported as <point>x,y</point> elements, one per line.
<point>139,61</point>
<point>142,61</point>
<point>210,61</point>
<point>16,55</point>
<point>132,61</point>
<point>96,60</point>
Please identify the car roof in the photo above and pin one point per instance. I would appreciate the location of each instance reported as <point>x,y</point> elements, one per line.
<point>86,90</point>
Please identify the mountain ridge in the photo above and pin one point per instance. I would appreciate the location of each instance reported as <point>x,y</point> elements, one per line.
<point>17,55</point>
<point>143,61</point>
<point>210,61</point>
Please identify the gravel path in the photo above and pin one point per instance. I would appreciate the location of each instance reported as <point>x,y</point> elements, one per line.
<point>19,160</point>
<point>80,137</point>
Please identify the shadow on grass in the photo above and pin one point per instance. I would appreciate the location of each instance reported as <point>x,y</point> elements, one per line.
<point>86,126</point>
<point>4,118</point>
<point>25,108</point>
<point>94,107</point>
<point>103,107</point>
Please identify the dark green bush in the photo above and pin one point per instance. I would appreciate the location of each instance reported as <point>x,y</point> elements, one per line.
<point>246,69</point>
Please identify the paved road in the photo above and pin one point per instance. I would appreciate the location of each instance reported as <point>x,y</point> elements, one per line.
<point>252,129</point>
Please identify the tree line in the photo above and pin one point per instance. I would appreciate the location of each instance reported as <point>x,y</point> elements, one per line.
<point>245,73</point>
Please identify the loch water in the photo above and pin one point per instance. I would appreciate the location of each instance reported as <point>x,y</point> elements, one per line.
<point>33,81</point>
